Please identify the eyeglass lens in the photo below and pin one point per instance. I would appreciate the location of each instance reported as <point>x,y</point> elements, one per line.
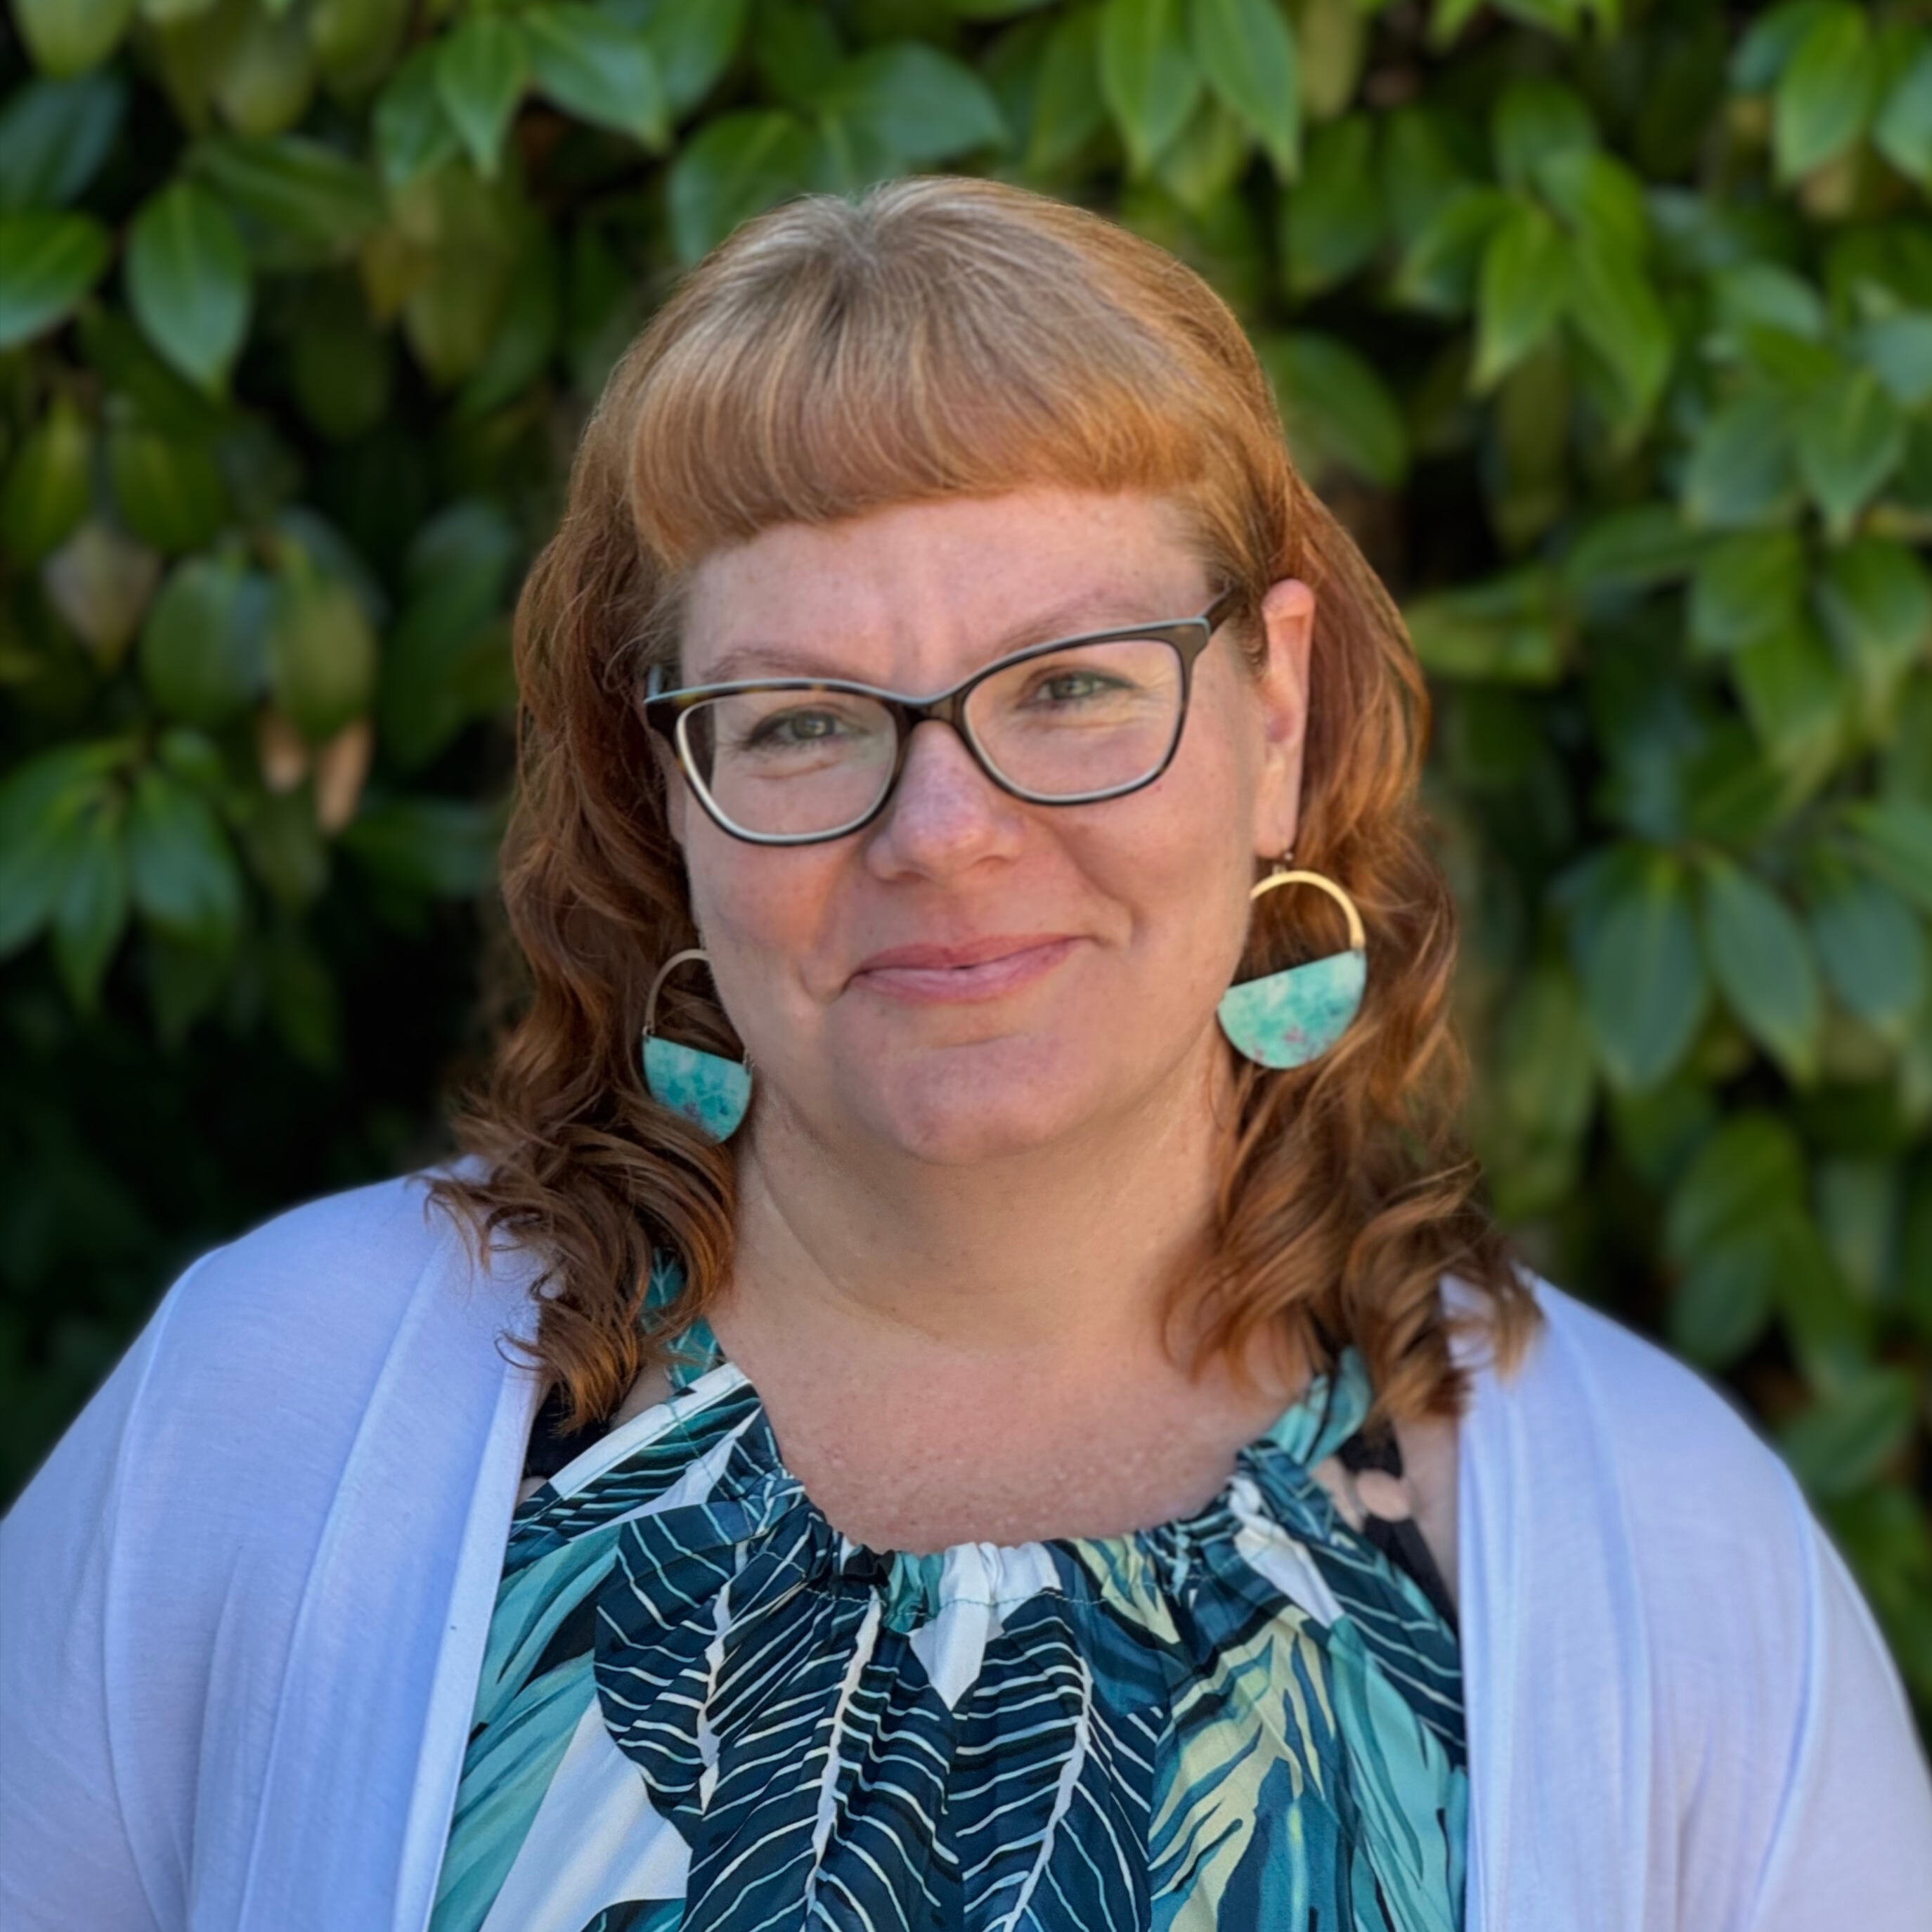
<point>1092,717</point>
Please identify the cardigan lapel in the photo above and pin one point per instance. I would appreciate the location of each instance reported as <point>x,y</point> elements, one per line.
<point>362,1772</point>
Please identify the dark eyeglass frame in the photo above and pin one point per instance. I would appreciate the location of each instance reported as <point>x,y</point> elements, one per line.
<point>666,711</point>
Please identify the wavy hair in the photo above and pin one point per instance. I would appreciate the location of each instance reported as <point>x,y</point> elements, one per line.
<point>938,337</point>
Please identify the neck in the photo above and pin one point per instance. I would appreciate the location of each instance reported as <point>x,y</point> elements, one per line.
<point>1062,1254</point>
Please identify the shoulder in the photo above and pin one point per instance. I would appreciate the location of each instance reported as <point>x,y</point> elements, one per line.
<point>1641,1569</point>
<point>255,1374</point>
<point>358,1253</point>
<point>1599,1443</point>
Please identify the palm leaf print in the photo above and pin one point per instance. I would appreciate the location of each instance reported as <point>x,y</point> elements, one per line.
<point>1244,1720</point>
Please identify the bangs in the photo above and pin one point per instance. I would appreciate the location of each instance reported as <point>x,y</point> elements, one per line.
<point>840,358</point>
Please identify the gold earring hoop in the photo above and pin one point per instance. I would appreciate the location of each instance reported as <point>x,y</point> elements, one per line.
<point>1287,1018</point>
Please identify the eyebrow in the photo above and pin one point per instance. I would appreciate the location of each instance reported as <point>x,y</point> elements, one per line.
<point>1093,611</point>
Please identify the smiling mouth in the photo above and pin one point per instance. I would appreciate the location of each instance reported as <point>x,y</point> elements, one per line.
<point>986,969</point>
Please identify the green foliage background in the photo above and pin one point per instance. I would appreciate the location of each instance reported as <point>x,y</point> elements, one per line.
<point>1607,327</point>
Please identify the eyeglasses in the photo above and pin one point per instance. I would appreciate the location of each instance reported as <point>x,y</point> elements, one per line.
<point>795,760</point>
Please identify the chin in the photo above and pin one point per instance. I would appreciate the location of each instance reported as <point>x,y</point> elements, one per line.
<point>964,1106</point>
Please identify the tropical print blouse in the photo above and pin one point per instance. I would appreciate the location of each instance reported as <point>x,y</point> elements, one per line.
<point>702,1709</point>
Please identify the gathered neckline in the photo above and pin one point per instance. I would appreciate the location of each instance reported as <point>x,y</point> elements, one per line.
<point>1310,1429</point>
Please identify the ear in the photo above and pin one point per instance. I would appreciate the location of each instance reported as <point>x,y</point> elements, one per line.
<point>1281,690</point>
<point>671,775</point>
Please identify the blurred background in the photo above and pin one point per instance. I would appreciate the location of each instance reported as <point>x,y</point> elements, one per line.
<point>1606,324</point>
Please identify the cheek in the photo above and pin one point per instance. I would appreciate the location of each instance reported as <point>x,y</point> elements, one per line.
<point>762,912</point>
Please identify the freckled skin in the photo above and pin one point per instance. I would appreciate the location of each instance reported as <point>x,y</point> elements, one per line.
<point>1153,887</point>
<point>956,1213</point>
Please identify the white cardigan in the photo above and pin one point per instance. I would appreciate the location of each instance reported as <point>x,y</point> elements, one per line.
<point>242,1612</point>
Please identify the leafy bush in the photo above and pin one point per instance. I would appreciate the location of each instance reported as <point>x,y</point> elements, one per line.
<point>1609,329</point>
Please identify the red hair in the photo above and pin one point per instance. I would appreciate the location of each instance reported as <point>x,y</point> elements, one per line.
<point>939,337</point>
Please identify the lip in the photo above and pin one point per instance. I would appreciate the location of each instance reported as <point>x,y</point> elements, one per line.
<point>979,969</point>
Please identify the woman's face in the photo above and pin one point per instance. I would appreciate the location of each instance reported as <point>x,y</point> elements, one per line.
<point>970,976</point>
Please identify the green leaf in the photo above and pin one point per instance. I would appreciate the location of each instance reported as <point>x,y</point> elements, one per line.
<point>356,41</point>
<point>1844,1439</point>
<point>1068,109</point>
<point>1247,53</point>
<point>1764,295</point>
<point>264,80</point>
<point>598,71</point>
<point>1338,411</point>
<point>54,136</point>
<point>526,336</point>
<point>50,484</point>
<point>917,103</point>
<point>449,632</point>
<point>1750,1171</point>
<point>1549,1075</point>
<point>1524,285</point>
<point>202,647</point>
<point>693,41</point>
<point>182,868</point>
<point>1440,272</point>
<point>1429,158</point>
<point>1791,694</point>
<point>481,69</point>
<point>1644,985</point>
<point>188,282</point>
<point>169,490</point>
<point>735,167</point>
<point>1850,438</point>
<point>1731,791</point>
<point>1743,470</point>
<point>341,369</point>
<point>297,189</point>
<point>67,37</point>
<point>1768,43</point>
<point>1331,219</point>
<point>1761,962</point>
<point>1534,121</point>
<point>1636,548</point>
<point>441,847</point>
<point>1875,598</point>
<point>1748,587</point>
<point>1827,92</point>
<point>1149,76</point>
<point>1725,1299</point>
<point>1615,309</point>
<point>1903,132</point>
<point>41,801</point>
<point>1873,945</point>
<point>1506,628</point>
<point>1599,199</point>
<point>413,133</point>
<point>1898,349</point>
<point>1894,841</point>
<point>90,911</point>
<point>47,262</point>
<point>797,50</point>
<point>321,650</point>
<point>1201,169</point>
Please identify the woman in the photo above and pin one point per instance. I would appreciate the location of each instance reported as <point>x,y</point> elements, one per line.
<point>1013,1415</point>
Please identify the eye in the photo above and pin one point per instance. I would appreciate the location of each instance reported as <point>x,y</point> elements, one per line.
<point>795,727</point>
<point>1072,684</point>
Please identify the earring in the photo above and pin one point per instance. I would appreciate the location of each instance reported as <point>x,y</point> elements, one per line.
<point>711,1092</point>
<point>1289,1018</point>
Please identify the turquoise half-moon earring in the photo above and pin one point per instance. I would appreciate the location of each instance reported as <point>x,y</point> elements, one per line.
<point>1290,1018</point>
<point>711,1092</point>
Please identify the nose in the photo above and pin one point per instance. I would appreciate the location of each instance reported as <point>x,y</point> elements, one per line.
<point>946,814</point>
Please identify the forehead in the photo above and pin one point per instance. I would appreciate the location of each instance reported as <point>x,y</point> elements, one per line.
<point>915,595</point>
